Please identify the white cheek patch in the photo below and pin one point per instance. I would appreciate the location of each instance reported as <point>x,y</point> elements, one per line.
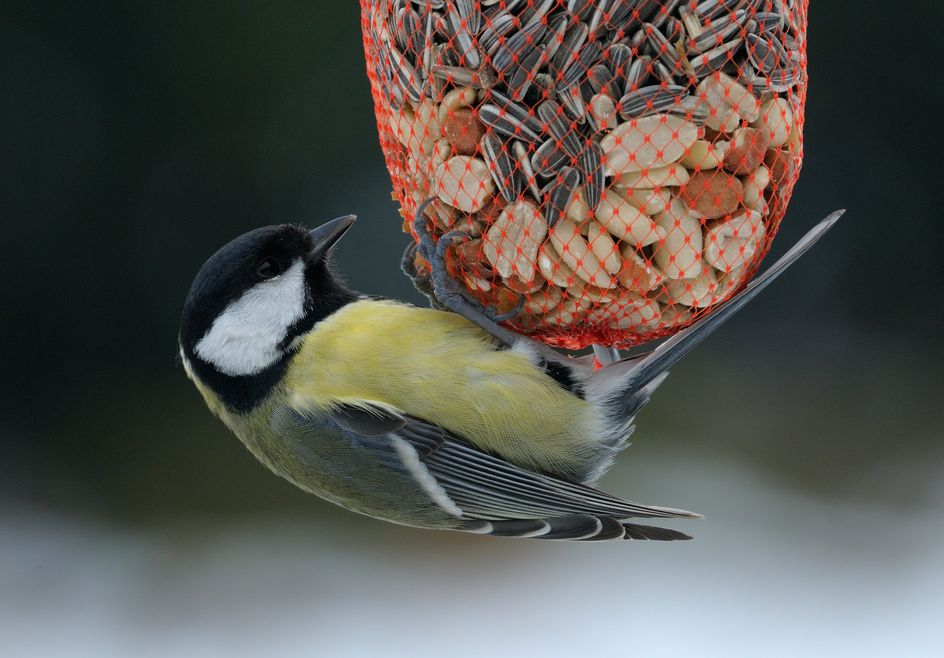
<point>244,339</point>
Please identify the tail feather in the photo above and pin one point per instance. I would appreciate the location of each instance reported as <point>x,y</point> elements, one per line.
<point>574,527</point>
<point>624,387</point>
<point>668,353</point>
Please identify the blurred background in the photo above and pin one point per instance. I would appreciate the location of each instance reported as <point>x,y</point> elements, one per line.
<point>137,137</point>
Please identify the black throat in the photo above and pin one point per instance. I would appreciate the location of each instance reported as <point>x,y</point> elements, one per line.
<point>240,394</point>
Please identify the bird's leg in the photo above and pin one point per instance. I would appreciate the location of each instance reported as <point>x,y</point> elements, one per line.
<point>451,293</point>
<point>427,245</point>
<point>454,296</point>
<point>421,282</point>
<point>445,285</point>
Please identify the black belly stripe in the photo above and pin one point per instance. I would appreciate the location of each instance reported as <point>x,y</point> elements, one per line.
<point>563,376</point>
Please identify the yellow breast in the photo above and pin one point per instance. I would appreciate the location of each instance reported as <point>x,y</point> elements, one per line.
<point>438,366</point>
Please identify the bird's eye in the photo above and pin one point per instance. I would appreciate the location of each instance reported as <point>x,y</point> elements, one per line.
<point>268,268</point>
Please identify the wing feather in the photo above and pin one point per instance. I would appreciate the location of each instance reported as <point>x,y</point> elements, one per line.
<point>494,496</point>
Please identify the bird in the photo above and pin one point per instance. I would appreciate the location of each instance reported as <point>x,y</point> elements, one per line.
<point>424,417</point>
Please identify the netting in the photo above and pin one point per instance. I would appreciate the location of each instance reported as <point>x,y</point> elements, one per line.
<point>616,168</point>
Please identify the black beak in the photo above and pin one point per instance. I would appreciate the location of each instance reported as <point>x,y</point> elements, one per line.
<point>325,236</point>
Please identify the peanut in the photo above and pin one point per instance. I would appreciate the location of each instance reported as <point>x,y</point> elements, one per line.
<point>626,222</point>
<point>679,255</point>
<point>511,243</point>
<point>576,253</point>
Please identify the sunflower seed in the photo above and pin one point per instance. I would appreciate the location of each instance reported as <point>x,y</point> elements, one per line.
<point>617,57</point>
<point>551,115</point>
<point>524,163</point>
<point>506,5</point>
<point>523,76</point>
<point>660,47</point>
<point>761,54</point>
<point>463,77</point>
<point>672,29</point>
<point>498,26</point>
<point>405,27</point>
<point>602,80</point>
<point>709,10</point>
<point>714,60</point>
<point>691,109</point>
<point>581,9</point>
<point>572,100</point>
<point>465,46</point>
<point>405,76</point>
<point>471,15</point>
<point>428,46</point>
<point>782,80</point>
<point>535,12</point>
<point>720,32</point>
<point>559,193</point>
<point>618,14</point>
<point>548,158</point>
<point>650,100</point>
<point>637,73</point>
<point>591,167</point>
<point>691,22</point>
<point>513,49</point>
<point>574,39</point>
<point>520,112</point>
<point>647,10</point>
<point>767,21</point>
<point>557,29</point>
<point>664,73</point>
<point>788,14</point>
<point>508,125</point>
<point>596,19</point>
<point>665,12</point>
<point>396,93</point>
<point>589,55</point>
<point>502,167</point>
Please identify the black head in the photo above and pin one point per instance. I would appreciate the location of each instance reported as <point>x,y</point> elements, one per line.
<point>251,300</point>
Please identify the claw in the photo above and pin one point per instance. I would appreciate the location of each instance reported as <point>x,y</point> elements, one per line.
<point>426,245</point>
<point>408,261</point>
<point>492,312</point>
<point>420,281</point>
<point>456,298</point>
<point>446,285</point>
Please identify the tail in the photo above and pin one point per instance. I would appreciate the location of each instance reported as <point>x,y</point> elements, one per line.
<point>574,527</point>
<point>634,380</point>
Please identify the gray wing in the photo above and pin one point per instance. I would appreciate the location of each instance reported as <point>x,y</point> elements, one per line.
<point>493,496</point>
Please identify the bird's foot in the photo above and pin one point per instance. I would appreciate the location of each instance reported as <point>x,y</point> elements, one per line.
<point>451,293</point>
<point>447,287</point>
<point>422,282</point>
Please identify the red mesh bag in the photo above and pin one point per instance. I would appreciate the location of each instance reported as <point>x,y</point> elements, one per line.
<point>613,168</point>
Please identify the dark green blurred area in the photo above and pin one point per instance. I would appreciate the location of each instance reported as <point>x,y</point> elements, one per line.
<point>139,137</point>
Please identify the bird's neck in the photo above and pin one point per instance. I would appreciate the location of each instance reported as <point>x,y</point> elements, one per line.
<point>240,394</point>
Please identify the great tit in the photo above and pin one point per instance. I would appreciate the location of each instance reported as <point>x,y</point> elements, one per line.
<point>423,417</point>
